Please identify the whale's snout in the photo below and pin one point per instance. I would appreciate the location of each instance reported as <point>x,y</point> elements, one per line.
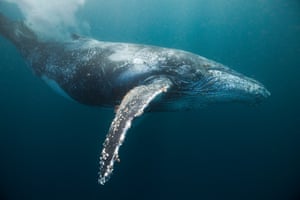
<point>223,85</point>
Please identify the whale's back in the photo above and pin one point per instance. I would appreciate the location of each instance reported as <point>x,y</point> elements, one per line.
<point>17,32</point>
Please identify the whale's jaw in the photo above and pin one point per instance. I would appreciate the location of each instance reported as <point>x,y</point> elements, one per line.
<point>222,84</point>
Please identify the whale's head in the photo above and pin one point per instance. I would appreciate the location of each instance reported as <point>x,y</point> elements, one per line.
<point>222,84</point>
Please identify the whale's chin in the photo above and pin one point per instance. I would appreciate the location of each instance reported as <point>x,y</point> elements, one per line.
<point>230,86</point>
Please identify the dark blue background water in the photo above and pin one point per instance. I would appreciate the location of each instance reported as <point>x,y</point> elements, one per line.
<point>49,146</point>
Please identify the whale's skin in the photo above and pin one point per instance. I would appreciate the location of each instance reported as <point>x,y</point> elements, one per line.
<point>101,73</point>
<point>129,77</point>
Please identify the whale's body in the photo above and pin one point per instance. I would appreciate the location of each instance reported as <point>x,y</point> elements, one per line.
<point>101,73</point>
<point>130,77</point>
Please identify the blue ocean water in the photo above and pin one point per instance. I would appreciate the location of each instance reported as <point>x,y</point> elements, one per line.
<point>49,146</point>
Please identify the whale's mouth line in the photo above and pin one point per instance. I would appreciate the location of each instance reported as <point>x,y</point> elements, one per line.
<point>222,84</point>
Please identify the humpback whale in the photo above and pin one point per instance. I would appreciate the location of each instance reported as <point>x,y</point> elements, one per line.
<point>132,78</point>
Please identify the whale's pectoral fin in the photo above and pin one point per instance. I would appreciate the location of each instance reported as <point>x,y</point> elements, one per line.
<point>132,106</point>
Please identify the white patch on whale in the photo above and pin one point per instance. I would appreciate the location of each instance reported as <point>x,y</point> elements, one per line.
<point>55,86</point>
<point>123,52</point>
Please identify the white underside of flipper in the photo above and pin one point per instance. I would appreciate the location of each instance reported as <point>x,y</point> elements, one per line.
<point>132,106</point>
